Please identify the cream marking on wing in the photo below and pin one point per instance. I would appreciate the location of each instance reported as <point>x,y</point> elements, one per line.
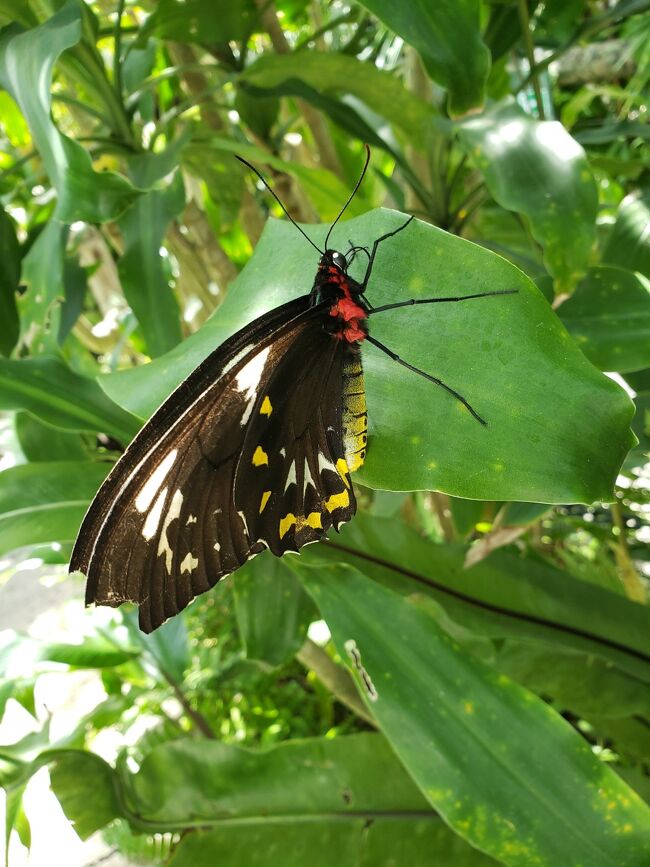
<point>233,361</point>
<point>248,379</point>
<point>283,452</point>
<point>324,464</point>
<point>243,520</point>
<point>173,512</point>
<point>190,520</point>
<point>154,482</point>
<point>309,479</point>
<point>291,477</point>
<point>217,546</point>
<point>153,518</point>
<point>189,564</point>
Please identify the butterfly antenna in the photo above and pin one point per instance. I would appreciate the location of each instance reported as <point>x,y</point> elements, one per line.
<point>352,194</point>
<point>278,200</point>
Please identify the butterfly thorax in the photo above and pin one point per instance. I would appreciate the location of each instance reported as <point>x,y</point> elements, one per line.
<point>347,314</point>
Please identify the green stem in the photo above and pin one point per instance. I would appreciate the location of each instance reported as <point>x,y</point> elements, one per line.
<point>530,51</point>
<point>117,50</point>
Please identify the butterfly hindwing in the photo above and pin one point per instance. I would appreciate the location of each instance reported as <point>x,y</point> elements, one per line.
<point>183,506</point>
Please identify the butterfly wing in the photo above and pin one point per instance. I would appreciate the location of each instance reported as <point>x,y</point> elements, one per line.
<point>192,498</point>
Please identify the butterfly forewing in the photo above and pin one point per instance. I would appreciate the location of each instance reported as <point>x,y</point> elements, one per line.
<point>247,453</point>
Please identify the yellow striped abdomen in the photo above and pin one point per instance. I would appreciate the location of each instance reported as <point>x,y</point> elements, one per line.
<point>355,419</point>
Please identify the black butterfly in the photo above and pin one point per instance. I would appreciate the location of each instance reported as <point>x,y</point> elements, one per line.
<point>253,450</point>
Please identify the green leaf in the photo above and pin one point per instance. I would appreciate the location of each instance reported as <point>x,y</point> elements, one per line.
<point>86,788</point>
<point>198,21</point>
<point>40,306</point>
<point>629,243</point>
<point>40,442</point>
<point>197,781</point>
<point>504,596</point>
<point>361,842</point>
<point>168,646</point>
<point>26,62</point>
<point>537,169</point>
<point>273,611</point>
<point>609,318</point>
<point>140,267</point>
<point>45,502</point>
<point>447,36</point>
<point>93,653</point>
<point>58,396</point>
<point>557,428</point>
<point>578,682</point>
<point>337,74</point>
<point>496,762</point>
<point>9,279</point>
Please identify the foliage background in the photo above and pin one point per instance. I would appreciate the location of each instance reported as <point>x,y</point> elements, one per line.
<point>503,624</point>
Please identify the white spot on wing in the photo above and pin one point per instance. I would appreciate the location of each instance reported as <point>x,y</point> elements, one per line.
<point>173,512</point>
<point>153,518</point>
<point>189,564</point>
<point>154,482</point>
<point>237,358</point>
<point>248,379</point>
<point>190,520</point>
<point>291,477</point>
<point>324,464</point>
<point>217,546</point>
<point>309,479</point>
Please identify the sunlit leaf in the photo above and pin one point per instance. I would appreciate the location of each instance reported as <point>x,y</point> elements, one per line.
<point>26,62</point>
<point>537,169</point>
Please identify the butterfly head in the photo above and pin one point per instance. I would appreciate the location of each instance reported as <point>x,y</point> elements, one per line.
<point>335,259</point>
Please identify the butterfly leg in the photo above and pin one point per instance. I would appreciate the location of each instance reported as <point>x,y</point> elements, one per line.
<point>376,244</point>
<point>434,379</point>
<point>412,301</point>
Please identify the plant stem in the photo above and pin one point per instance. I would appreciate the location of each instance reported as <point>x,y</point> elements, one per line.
<point>117,51</point>
<point>336,678</point>
<point>197,718</point>
<point>530,51</point>
<point>630,578</point>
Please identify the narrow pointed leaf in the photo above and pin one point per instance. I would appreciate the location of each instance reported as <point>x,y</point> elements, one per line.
<point>502,768</point>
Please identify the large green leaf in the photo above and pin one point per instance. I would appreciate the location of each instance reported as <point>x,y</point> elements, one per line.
<point>198,21</point>
<point>536,169</point>
<point>629,243</point>
<point>557,429</point>
<point>338,74</point>
<point>505,595</point>
<point>59,396</point>
<point>447,34</point>
<point>503,769</point>
<point>140,267</point>
<point>42,502</point>
<point>273,611</point>
<point>9,279</point>
<point>26,62</point>
<point>609,317</point>
<point>345,801</point>
<point>85,786</point>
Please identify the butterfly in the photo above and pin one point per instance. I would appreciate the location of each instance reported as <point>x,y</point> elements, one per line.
<point>254,450</point>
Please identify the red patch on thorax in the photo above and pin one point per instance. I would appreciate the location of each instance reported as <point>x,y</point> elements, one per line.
<point>346,309</point>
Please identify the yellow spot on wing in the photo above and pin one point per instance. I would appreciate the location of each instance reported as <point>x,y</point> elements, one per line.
<point>266,408</point>
<point>264,501</point>
<point>342,467</point>
<point>260,457</point>
<point>286,523</point>
<point>312,520</point>
<point>337,501</point>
